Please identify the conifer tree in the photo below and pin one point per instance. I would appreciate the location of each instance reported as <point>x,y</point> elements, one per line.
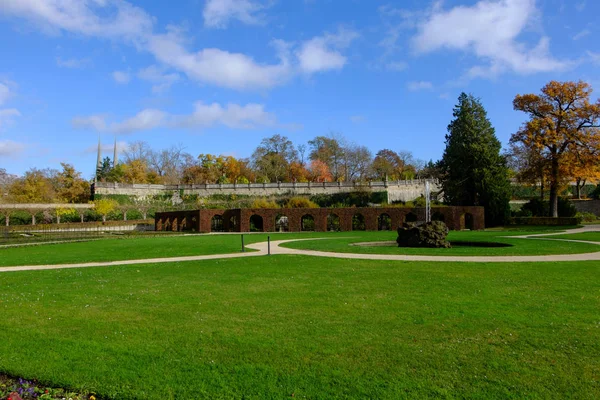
<point>474,173</point>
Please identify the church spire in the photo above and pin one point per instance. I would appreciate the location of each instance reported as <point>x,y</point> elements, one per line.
<point>98,160</point>
<point>115,155</point>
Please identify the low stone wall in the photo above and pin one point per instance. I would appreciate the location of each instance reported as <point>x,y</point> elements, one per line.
<point>589,206</point>
<point>265,220</point>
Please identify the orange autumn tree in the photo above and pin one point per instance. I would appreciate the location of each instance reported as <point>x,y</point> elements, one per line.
<point>562,122</point>
<point>319,171</point>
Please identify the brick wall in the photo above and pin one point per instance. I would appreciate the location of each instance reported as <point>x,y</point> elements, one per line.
<point>265,219</point>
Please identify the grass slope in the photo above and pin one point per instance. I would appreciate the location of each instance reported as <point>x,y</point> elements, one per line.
<point>307,327</point>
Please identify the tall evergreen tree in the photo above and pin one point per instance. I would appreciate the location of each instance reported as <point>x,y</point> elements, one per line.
<point>473,171</point>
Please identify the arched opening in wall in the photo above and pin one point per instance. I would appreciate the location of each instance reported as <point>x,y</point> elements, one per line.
<point>307,223</point>
<point>438,216</point>
<point>256,223</point>
<point>233,224</point>
<point>333,223</point>
<point>469,223</point>
<point>358,222</point>
<point>282,223</point>
<point>216,224</point>
<point>384,222</point>
<point>410,217</point>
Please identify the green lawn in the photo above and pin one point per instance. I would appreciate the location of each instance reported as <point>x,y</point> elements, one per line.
<point>141,247</point>
<point>283,326</point>
<point>130,248</point>
<point>467,238</point>
<point>589,236</point>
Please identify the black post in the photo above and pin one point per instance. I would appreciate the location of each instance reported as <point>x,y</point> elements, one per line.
<point>269,244</point>
<point>243,248</point>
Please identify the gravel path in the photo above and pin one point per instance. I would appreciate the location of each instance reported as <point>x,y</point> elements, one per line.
<point>277,249</point>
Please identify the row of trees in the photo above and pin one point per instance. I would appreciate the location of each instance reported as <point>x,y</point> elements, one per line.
<point>276,159</point>
<point>45,186</point>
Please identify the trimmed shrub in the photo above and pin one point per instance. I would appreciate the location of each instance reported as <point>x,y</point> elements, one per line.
<point>264,203</point>
<point>300,202</point>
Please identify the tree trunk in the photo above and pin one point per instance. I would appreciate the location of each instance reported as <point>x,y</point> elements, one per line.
<point>554,188</point>
<point>104,218</point>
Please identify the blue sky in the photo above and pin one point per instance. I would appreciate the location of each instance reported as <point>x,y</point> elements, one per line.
<point>217,76</point>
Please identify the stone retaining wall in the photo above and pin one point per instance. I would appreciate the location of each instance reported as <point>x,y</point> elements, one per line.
<point>397,190</point>
<point>590,206</point>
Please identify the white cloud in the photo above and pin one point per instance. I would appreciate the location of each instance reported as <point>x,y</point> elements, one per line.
<point>72,62</point>
<point>162,81</point>
<point>397,66</point>
<point>582,34</point>
<point>120,20</point>
<point>218,13</point>
<point>489,30</point>
<point>322,53</point>
<point>9,148</point>
<point>121,77</point>
<point>357,119</point>
<point>419,85</point>
<point>4,93</point>
<point>235,116</point>
<point>94,122</point>
<point>6,114</point>
<point>143,121</point>
<point>219,67</point>
<point>594,57</point>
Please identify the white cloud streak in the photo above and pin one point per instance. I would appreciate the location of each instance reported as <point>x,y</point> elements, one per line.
<point>121,77</point>
<point>9,148</point>
<point>6,114</point>
<point>219,13</point>
<point>162,81</point>
<point>419,85</point>
<point>234,116</point>
<point>72,62</point>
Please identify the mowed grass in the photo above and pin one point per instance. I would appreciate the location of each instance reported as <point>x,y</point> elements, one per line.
<point>466,244</point>
<point>589,236</point>
<point>140,247</point>
<point>307,327</point>
<point>130,248</point>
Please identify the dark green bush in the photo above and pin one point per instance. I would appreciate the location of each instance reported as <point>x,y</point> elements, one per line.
<point>538,208</point>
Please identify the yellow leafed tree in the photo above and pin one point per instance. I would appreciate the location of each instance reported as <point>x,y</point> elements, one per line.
<point>563,122</point>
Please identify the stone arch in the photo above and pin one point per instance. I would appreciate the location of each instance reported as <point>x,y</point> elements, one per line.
<point>438,216</point>
<point>217,223</point>
<point>358,222</point>
<point>282,223</point>
<point>256,223</point>
<point>307,223</point>
<point>384,222</point>
<point>410,217</point>
<point>333,223</point>
<point>467,221</point>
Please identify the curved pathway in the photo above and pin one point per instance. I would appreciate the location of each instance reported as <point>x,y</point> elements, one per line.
<point>276,249</point>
